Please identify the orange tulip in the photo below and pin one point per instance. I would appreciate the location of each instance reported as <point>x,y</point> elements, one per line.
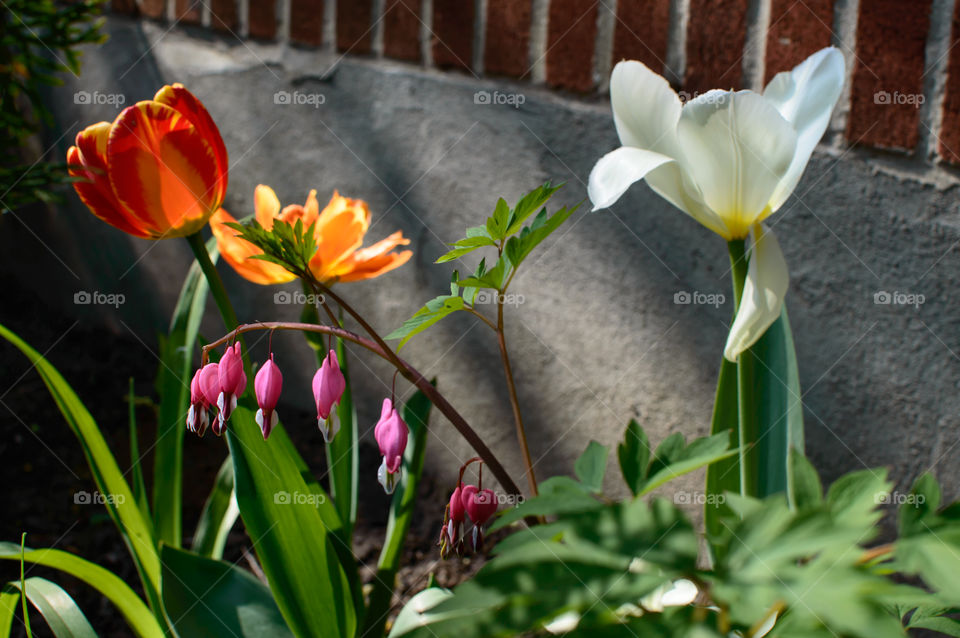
<point>339,232</point>
<point>160,170</point>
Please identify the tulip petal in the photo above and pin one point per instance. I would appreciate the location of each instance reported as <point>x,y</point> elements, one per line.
<point>763,293</point>
<point>266,205</point>
<point>88,160</point>
<point>185,103</point>
<point>737,148</point>
<point>374,260</point>
<point>616,171</point>
<point>162,168</point>
<point>340,230</point>
<point>806,97</point>
<point>238,252</point>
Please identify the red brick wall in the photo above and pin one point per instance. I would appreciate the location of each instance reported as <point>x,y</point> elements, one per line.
<point>887,78</point>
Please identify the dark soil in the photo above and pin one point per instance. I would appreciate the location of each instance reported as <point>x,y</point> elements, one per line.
<point>42,467</point>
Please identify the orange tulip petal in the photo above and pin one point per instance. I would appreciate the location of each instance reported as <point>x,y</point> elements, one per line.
<point>184,102</point>
<point>238,252</point>
<point>266,205</point>
<point>376,266</point>
<point>340,230</point>
<point>162,168</point>
<point>87,160</point>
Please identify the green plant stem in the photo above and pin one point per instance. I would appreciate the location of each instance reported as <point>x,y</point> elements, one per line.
<point>409,372</point>
<point>746,410</point>
<point>514,400</point>
<point>217,290</point>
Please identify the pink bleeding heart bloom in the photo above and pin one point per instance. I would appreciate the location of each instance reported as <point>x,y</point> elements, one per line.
<point>328,387</point>
<point>481,505</point>
<point>233,381</point>
<point>452,534</point>
<point>266,386</point>
<point>198,418</point>
<point>391,434</point>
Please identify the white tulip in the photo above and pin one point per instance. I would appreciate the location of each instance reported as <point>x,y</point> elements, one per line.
<point>729,159</point>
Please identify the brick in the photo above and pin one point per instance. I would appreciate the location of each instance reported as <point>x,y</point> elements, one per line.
<point>153,8</point>
<point>949,143</point>
<point>888,73</point>
<point>716,34</point>
<point>262,19</point>
<point>507,48</point>
<point>571,40</point>
<point>188,11</point>
<point>223,15</point>
<point>354,20</point>
<point>797,29</point>
<point>452,33</point>
<point>125,7</point>
<point>306,21</point>
<point>641,32</point>
<point>401,29</point>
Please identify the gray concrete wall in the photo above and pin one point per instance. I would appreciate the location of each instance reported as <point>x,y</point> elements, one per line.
<point>598,339</point>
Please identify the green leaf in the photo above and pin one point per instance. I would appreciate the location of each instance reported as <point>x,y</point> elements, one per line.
<point>529,204</point>
<point>465,246</point>
<point>132,608</point>
<point>206,597</point>
<point>136,530</point>
<point>136,468</point>
<point>416,414</point>
<point>435,310</point>
<point>342,454</point>
<point>634,456</point>
<point>591,467</point>
<point>498,222</point>
<point>173,387</point>
<point>723,475</point>
<point>806,489</point>
<point>779,411</point>
<point>416,613</point>
<point>674,459</point>
<point>56,606</point>
<point>281,515</point>
<point>9,601</point>
<point>219,514</point>
<point>921,504</point>
<point>541,228</point>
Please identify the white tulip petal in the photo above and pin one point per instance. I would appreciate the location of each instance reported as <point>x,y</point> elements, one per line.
<point>763,293</point>
<point>737,148</point>
<point>617,170</point>
<point>806,97</point>
<point>645,108</point>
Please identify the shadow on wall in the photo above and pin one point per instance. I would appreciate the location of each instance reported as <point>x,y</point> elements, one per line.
<point>603,334</point>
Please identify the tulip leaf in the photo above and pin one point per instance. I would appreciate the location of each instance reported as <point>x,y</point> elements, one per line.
<point>343,452</point>
<point>219,514</point>
<point>723,475</point>
<point>131,607</point>
<point>173,387</point>
<point>416,414</point>
<point>779,410</point>
<point>136,467</point>
<point>57,607</point>
<point>136,530</point>
<point>207,597</point>
<point>591,467</point>
<point>281,513</point>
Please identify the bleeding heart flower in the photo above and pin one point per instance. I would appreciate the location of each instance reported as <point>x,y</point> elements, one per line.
<point>198,418</point>
<point>233,381</point>
<point>266,386</point>
<point>481,505</point>
<point>391,434</point>
<point>328,387</point>
<point>451,536</point>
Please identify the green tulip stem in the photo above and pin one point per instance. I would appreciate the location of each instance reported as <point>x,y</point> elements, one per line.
<point>747,418</point>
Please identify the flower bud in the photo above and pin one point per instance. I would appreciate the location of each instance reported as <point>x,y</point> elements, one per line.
<point>391,434</point>
<point>328,387</point>
<point>266,386</point>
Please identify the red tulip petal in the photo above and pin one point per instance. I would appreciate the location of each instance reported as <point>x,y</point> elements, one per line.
<point>184,102</point>
<point>162,168</point>
<point>86,160</point>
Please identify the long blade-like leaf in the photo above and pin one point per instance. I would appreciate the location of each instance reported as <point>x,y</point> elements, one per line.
<point>342,454</point>
<point>118,499</point>
<point>173,386</point>
<point>136,467</point>
<point>58,609</point>
<point>131,607</point>
<point>723,475</point>
<point>219,514</point>
<point>206,597</point>
<point>416,413</point>
<point>291,541</point>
